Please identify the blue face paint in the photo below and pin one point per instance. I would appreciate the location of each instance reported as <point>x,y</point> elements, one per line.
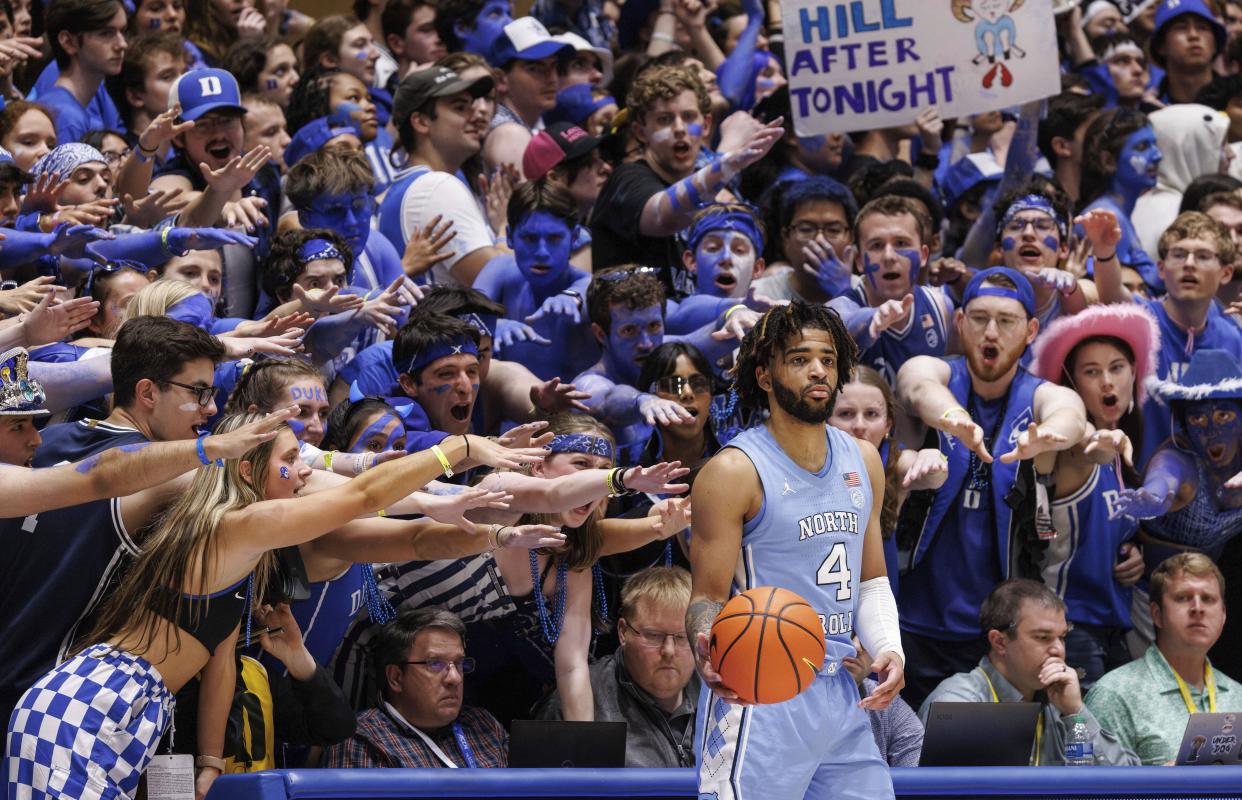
<point>632,335</point>
<point>694,129</point>
<point>347,214</point>
<point>155,23</point>
<point>1052,243</point>
<point>1137,164</point>
<point>541,247</point>
<point>442,388</point>
<point>870,270</point>
<point>362,55</point>
<point>719,269</point>
<point>298,427</point>
<point>915,259</point>
<point>284,472</point>
<point>488,26</point>
<point>376,429</point>
<point>1008,243</point>
<point>1214,428</point>
<point>271,84</point>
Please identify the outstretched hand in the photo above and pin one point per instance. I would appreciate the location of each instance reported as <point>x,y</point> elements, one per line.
<point>553,397</point>
<point>1141,503</point>
<point>1032,442</point>
<point>889,313</point>
<point>238,172</point>
<point>831,273</point>
<point>1101,229</point>
<point>657,478</point>
<point>450,509</point>
<point>958,424</point>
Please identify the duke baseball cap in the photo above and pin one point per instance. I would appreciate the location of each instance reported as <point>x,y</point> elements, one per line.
<point>205,90</point>
<point>421,87</point>
<point>526,39</point>
<point>563,141</point>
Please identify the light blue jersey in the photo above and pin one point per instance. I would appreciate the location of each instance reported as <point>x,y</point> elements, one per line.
<point>807,538</point>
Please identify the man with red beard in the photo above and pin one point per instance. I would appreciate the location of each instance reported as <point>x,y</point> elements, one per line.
<point>441,127</point>
<point>977,530</point>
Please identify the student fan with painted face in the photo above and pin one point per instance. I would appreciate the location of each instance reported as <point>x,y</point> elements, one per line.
<point>542,294</point>
<point>724,254</point>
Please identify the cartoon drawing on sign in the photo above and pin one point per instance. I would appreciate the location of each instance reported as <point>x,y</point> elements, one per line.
<point>995,35</point>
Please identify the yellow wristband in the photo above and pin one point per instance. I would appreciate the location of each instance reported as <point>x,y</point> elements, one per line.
<point>444,462</point>
<point>327,460</point>
<point>732,309</point>
<point>381,513</point>
<point>946,414</point>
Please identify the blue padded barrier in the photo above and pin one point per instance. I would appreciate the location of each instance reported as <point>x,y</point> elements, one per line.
<point>1063,783</point>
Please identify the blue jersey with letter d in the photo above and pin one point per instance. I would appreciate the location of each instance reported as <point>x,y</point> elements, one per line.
<point>808,534</point>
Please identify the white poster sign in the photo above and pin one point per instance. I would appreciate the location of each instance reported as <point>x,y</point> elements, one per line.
<point>863,64</point>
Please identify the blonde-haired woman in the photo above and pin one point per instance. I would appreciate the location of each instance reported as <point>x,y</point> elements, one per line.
<point>179,611</point>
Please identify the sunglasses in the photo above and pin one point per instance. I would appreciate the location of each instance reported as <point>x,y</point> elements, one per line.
<point>112,267</point>
<point>616,276</point>
<point>675,384</point>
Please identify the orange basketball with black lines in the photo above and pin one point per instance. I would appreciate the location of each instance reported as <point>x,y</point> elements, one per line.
<point>767,644</point>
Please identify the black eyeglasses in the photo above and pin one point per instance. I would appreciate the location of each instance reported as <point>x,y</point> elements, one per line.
<point>112,267</point>
<point>464,666</point>
<point>203,394</point>
<point>618,275</point>
<point>674,384</point>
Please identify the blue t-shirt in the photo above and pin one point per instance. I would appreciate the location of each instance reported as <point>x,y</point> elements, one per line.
<point>73,120</point>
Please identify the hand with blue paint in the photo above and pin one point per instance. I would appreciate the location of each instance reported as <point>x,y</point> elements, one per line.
<point>1057,279</point>
<point>1032,442</point>
<point>510,332</point>
<point>182,239</point>
<point>831,273</point>
<point>553,397</point>
<point>70,241</point>
<point>559,305</point>
<point>1141,503</point>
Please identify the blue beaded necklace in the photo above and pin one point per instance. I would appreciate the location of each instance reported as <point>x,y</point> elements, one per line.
<point>597,578</point>
<point>378,607</point>
<point>551,627</point>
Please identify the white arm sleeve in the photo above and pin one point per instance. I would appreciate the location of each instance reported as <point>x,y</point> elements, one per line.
<point>877,618</point>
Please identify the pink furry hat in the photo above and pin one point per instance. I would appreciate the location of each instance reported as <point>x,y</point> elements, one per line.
<point>1128,322</point>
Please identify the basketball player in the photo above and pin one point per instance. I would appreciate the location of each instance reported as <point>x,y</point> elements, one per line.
<point>794,503</point>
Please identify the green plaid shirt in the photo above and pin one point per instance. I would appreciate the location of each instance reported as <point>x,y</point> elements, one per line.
<point>1141,704</point>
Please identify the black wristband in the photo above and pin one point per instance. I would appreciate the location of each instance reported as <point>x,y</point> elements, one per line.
<point>928,161</point>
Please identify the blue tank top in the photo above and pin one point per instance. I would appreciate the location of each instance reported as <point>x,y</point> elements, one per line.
<point>926,333</point>
<point>325,616</point>
<point>808,534</point>
<point>58,565</point>
<point>1079,561</point>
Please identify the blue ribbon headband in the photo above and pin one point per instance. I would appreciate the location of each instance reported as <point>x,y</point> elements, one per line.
<point>455,347</point>
<point>726,221</point>
<point>583,443</point>
<point>317,250</point>
<point>1032,202</point>
<point>485,324</point>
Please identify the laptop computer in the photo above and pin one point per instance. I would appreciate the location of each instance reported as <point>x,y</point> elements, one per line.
<point>979,735</point>
<point>557,743</point>
<point>1211,739</point>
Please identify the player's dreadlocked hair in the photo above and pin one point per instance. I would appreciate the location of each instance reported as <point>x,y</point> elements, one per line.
<point>773,331</point>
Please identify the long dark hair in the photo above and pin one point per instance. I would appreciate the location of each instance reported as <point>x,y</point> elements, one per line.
<point>661,363</point>
<point>346,420</point>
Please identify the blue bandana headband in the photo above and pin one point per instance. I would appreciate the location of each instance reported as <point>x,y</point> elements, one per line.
<point>583,443</point>
<point>1032,202</point>
<point>484,324</point>
<point>318,250</point>
<point>728,221</point>
<point>66,158</point>
<point>456,347</point>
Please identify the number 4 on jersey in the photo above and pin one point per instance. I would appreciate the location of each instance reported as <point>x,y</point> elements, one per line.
<point>836,570</point>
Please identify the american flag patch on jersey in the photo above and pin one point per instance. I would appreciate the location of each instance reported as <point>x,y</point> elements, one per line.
<point>851,479</point>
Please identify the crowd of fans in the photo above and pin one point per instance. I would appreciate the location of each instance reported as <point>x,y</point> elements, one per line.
<point>252,259</point>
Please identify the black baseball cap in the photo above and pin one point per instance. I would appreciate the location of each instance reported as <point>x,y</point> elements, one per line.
<point>421,87</point>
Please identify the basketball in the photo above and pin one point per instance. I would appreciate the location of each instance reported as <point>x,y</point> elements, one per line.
<point>767,644</point>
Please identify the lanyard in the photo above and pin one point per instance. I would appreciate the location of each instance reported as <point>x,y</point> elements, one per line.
<point>458,734</point>
<point>1039,723</point>
<point>1208,681</point>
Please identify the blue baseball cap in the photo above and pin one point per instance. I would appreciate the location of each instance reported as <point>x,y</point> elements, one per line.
<point>575,105</point>
<point>526,39</point>
<point>1169,11</point>
<point>205,90</point>
<point>314,135</point>
<point>1024,293</point>
<point>966,174</point>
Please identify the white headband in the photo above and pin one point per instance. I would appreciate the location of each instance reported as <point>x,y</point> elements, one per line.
<point>1096,8</point>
